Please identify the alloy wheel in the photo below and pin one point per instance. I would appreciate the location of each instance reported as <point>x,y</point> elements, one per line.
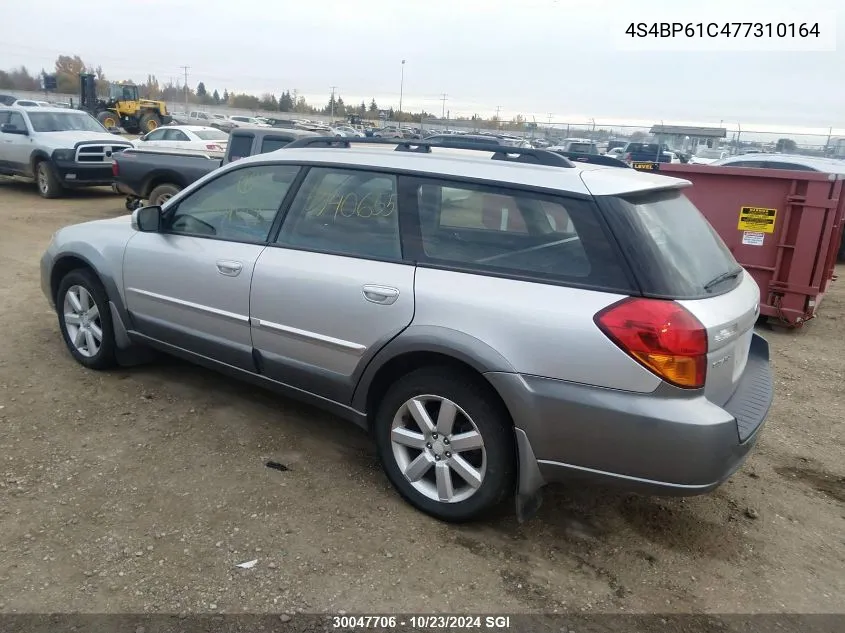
<point>82,321</point>
<point>438,448</point>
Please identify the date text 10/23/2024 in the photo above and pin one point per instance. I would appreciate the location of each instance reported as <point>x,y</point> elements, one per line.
<point>422,622</point>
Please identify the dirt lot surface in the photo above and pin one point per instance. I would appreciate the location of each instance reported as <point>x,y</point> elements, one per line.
<point>140,490</point>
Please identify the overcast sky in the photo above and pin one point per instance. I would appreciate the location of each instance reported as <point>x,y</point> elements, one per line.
<point>533,57</point>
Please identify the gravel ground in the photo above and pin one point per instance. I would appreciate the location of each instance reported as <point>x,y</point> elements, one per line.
<point>140,490</point>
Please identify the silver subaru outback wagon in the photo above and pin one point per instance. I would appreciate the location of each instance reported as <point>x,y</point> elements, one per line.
<point>496,321</point>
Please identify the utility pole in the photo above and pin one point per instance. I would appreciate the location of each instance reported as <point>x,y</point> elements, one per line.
<point>443,111</point>
<point>332,101</point>
<point>401,86</point>
<point>185,68</point>
<point>498,120</point>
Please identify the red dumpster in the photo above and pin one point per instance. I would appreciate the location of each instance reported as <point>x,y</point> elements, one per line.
<point>783,226</point>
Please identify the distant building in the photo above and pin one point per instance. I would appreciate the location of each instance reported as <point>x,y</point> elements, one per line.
<point>689,139</point>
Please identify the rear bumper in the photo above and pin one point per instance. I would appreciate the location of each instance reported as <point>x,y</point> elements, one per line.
<point>73,174</point>
<point>667,442</point>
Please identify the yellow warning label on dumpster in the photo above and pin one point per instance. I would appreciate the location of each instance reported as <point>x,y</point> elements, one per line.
<point>758,219</point>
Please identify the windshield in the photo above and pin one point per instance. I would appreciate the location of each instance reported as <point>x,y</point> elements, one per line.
<point>64,121</point>
<point>211,135</point>
<point>674,248</point>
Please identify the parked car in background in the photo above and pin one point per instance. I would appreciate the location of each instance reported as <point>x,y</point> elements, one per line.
<point>447,303</point>
<point>347,131</point>
<point>707,156</point>
<point>208,119</point>
<point>615,152</point>
<point>157,175</point>
<point>28,103</point>
<point>576,145</point>
<point>645,153</point>
<point>59,149</point>
<point>189,137</point>
<point>248,120</point>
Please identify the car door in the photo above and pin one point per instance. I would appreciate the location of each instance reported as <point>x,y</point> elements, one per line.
<point>154,138</point>
<point>175,139</point>
<point>188,284</point>
<point>15,149</point>
<point>333,287</point>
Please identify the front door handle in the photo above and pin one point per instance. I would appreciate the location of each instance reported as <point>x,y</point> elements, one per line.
<point>229,268</point>
<point>383,295</point>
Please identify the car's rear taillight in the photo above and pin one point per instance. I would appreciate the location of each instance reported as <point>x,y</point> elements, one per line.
<point>213,147</point>
<point>661,335</point>
<point>115,170</point>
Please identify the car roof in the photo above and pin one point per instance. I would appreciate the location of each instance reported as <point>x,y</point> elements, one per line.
<point>449,162</point>
<point>819,163</point>
<point>190,128</point>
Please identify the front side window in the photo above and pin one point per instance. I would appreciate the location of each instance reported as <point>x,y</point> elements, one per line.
<point>240,205</point>
<point>16,121</point>
<point>156,135</point>
<point>519,233</point>
<point>346,212</point>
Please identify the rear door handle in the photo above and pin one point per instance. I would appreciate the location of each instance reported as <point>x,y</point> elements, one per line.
<point>229,268</point>
<point>383,295</point>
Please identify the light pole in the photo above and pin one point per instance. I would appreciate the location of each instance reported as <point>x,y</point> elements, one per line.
<point>401,86</point>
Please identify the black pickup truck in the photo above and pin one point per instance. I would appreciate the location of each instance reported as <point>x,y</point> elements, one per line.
<point>156,175</point>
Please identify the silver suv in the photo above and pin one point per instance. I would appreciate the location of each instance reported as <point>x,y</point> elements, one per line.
<point>496,324</point>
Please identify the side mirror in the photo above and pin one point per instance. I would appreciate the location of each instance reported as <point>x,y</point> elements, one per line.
<point>142,138</point>
<point>11,129</point>
<point>147,219</point>
<point>114,130</point>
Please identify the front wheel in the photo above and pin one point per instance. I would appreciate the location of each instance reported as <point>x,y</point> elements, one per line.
<point>149,122</point>
<point>85,321</point>
<point>49,185</point>
<point>446,443</point>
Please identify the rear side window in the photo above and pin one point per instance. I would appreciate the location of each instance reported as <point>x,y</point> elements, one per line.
<point>672,248</point>
<point>272,143</point>
<point>524,234</point>
<point>240,146</point>
<point>583,148</point>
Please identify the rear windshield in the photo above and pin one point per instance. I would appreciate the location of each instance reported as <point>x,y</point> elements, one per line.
<point>643,147</point>
<point>672,248</point>
<point>211,135</point>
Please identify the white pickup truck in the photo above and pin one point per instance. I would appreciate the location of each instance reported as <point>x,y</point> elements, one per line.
<point>57,148</point>
<point>209,119</point>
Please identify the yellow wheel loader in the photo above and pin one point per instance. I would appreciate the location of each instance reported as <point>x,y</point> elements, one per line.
<point>122,108</point>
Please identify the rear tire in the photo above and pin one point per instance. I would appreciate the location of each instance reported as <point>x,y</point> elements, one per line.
<point>149,122</point>
<point>162,194</point>
<point>82,306</point>
<point>48,183</point>
<point>433,470</point>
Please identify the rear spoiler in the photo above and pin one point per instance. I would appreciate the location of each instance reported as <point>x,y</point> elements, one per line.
<point>594,159</point>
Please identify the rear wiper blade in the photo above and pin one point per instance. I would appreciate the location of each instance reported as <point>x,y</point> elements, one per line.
<point>731,274</point>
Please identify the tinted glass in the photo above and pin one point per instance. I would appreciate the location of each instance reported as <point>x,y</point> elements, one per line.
<point>494,230</point>
<point>345,212</point>
<point>240,205</point>
<point>583,148</point>
<point>673,247</point>
<point>272,143</point>
<point>240,146</point>
<point>784,165</point>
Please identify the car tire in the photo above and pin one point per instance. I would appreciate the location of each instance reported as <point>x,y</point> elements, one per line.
<point>162,194</point>
<point>418,461</point>
<point>48,183</point>
<point>82,307</point>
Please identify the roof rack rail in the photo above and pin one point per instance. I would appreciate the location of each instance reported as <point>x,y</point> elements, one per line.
<point>500,152</point>
<point>595,159</point>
